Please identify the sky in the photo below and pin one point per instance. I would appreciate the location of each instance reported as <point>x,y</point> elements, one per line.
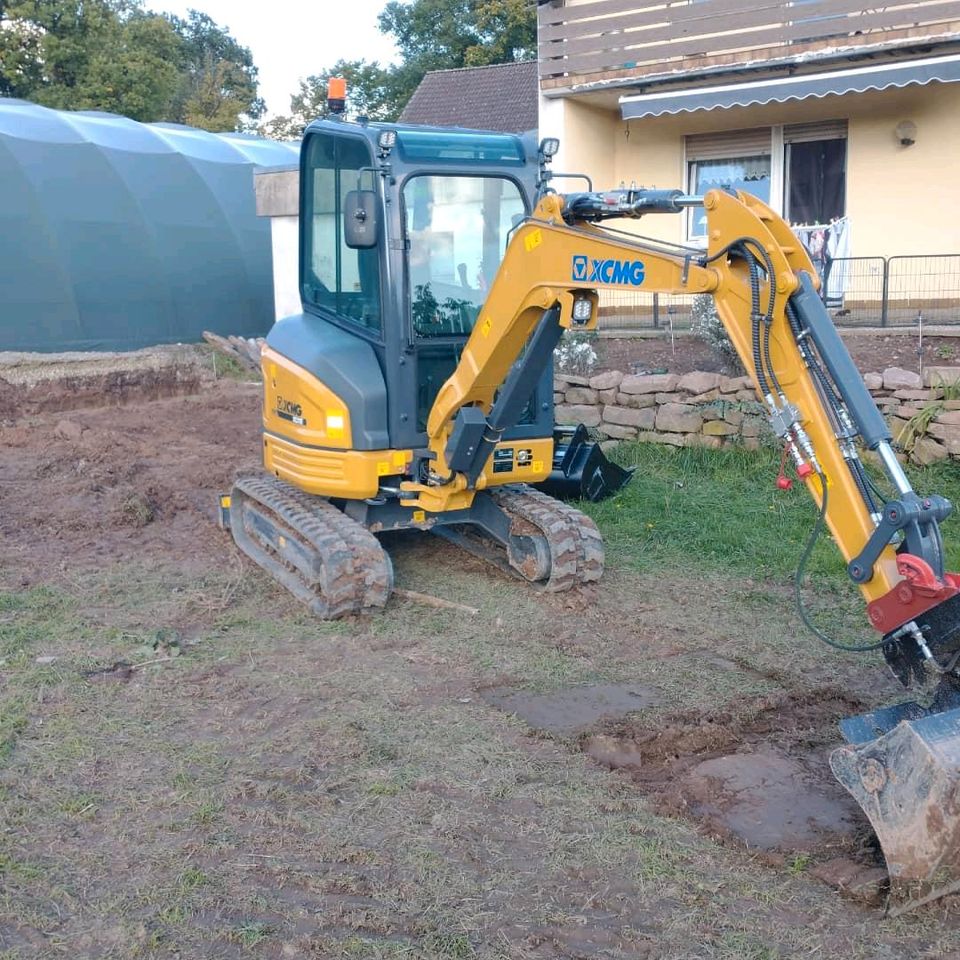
<point>292,39</point>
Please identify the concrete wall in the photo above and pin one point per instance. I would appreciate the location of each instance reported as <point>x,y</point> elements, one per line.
<point>278,197</point>
<point>899,199</point>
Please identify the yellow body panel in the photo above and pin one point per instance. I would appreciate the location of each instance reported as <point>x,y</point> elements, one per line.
<point>297,405</point>
<point>351,474</point>
<point>357,474</point>
<point>307,438</point>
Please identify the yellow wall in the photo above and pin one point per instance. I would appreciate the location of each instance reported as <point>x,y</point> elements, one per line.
<point>904,200</point>
<point>900,200</point>
<point>587,138</point>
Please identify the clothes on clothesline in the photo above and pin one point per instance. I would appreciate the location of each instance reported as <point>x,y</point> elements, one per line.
<point>826,243</point>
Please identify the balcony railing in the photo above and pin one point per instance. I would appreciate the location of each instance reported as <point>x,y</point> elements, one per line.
<point>603,36</point>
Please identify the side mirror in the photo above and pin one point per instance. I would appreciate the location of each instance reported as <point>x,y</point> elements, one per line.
<point>360,221</point>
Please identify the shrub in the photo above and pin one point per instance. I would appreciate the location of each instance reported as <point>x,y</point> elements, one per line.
<point>575,355</point>
<point>706,325</point>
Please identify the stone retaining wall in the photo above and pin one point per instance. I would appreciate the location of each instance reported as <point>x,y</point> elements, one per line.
<point>709,410</point>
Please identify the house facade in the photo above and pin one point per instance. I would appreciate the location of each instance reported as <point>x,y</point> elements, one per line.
<point>846,119</point>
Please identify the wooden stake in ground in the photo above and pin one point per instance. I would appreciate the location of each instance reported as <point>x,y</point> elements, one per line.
<point>429,601</point>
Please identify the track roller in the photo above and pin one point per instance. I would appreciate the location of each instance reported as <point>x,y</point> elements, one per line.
<point>550,544</point>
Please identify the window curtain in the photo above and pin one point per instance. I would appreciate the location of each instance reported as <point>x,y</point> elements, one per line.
<point>817,181</point>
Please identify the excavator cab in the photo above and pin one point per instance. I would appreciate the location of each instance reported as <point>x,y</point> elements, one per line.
<point>403,231</point>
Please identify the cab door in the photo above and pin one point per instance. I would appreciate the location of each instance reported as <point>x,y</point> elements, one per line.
<point>456,229</point>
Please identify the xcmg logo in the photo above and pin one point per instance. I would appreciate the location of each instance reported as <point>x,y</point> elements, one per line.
<point>588,270</point>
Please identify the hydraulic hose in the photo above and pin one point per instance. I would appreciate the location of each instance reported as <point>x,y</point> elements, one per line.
<point>815,533</point>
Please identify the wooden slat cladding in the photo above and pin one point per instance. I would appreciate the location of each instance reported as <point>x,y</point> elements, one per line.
<point>621,34</point>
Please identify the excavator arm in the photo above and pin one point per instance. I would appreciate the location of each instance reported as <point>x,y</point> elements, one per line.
<point>761,279</point>
<point>901,762</point>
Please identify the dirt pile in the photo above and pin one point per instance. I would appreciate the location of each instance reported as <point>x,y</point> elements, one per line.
<point>32,383</point>
<point>105,484</point>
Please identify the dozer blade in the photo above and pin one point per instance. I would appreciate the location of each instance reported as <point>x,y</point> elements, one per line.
<point>581,470</point>
<point>903,768</point>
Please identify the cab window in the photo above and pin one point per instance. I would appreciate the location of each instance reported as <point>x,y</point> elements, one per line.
<point>335,278</point>
<point>457,229</point>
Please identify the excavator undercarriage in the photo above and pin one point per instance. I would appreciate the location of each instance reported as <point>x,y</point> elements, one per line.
<point>336,565</point>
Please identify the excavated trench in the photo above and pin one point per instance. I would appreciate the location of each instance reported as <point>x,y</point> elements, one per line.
<point>754,775</point>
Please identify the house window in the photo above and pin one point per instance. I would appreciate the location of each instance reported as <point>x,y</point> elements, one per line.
<point>815,172</point>
<point>805,179</point>
<point>735,160</point>
<point>751,174</point>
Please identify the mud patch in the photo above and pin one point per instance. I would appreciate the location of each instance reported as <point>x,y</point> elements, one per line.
<point>758,775</point>
<point>572,710</point>
<point>770,801</point>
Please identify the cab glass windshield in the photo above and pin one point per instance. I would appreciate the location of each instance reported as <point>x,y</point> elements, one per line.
<point>457,229</point>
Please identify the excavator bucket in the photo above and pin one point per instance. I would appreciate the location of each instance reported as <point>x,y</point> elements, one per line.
<point>581,470</point>
<point>902,765</point>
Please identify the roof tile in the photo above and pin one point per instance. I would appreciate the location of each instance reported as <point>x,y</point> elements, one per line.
<point>501,97</point>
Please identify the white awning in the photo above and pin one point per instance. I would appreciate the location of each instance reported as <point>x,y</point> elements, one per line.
<point>782,89</point>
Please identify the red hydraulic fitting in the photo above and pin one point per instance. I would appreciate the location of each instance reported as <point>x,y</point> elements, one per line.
<point>804,471</point>
<point>784,483</point>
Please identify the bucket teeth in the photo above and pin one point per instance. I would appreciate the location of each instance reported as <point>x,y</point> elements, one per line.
<point>907,781</point>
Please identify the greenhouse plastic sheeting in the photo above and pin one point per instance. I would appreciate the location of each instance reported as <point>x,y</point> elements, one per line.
<point>116,235</point>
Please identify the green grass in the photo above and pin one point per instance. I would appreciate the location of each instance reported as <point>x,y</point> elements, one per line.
<point>720,510</point>
<point>289,787</point>
<point>226,367</point>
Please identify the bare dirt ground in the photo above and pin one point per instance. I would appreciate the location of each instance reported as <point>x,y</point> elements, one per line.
<point>871,352</point>
<point>196,768</point>
<point>38,382</point>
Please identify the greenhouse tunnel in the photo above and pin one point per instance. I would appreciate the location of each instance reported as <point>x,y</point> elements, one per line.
<point>116,235</point>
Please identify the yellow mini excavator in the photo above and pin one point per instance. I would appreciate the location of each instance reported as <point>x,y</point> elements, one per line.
<point>438,270</point>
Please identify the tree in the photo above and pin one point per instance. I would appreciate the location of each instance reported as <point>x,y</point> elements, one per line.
<point>430,35</point>
<point>114,55</point>
<point>508,32</point>
<point>443,34</point>
<point>134,73</point>
<point>371,93</point>
<point>218,79</point>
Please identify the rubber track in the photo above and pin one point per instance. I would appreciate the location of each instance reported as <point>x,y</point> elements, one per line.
<point>576,547</point>
<point>355,573</point>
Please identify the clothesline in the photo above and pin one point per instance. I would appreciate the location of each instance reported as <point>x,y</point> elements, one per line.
<point>829,247</point>
<point>817,226</point>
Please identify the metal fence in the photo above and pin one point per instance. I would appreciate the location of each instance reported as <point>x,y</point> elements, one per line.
<point>927,286</point>
<point>858,291</point>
